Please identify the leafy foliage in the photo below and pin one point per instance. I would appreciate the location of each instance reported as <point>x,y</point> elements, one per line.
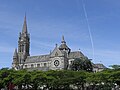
<point>59,80</point>
<point>115,66</point>
<point>81,64</point>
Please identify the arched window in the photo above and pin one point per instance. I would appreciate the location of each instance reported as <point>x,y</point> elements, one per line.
<point>38,65</point>
<point>32,65</point>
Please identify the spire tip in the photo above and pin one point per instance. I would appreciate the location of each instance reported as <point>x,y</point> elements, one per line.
<point>63,40</point>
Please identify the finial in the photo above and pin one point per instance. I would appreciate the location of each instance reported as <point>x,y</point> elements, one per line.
<point>25,16</point>
<point>56,44</point>
<point>15,52</point>
<point>63,40</point>
<point>24,30</point>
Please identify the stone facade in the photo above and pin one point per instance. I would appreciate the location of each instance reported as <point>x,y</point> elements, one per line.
<point>98,67</point>
<point>60,58</point>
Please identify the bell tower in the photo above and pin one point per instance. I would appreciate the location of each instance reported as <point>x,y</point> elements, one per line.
<point>23,44</point>
<point>64,47</point>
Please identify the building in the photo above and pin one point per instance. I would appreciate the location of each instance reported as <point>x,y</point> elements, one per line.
<point>59,59</point>
<point>98,67</point>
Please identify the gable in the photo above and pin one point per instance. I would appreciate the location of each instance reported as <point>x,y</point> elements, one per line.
<point>56,52</point>
<point>75,54</point>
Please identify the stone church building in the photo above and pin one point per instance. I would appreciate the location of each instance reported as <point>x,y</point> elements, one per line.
<point>59,59</point>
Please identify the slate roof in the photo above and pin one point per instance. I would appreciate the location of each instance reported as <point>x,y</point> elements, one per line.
<point>63,46</point>
<point>33,59</point>
<point>75,54</point>
<point>45,58</point>
<point>100,66</point>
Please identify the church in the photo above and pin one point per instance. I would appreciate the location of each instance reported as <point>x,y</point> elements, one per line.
<point>59,59</point>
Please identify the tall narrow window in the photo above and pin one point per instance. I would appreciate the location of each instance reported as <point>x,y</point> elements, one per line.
<point>25,66</point>
<point>32,65</point>
<point>38,65</point>
<point>56,54</point>
<point>45,64</point>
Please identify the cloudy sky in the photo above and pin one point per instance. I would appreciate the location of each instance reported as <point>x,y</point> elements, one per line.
<point>92,26</point>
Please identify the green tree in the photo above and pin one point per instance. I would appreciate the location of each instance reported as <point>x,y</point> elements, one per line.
<point>114,77</point>
<point>60,80</point>
<point>79,79</point>
<point>115,66</point>
<point>22,78</point>
<point>99,80</point>
<point>38,79</point>
<point>81,64</point>
<point>4,73</point>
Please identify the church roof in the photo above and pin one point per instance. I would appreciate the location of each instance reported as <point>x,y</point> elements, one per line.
<point>100,66</point>
<point>63,45</point>
<point>33,59</point>
<point>24,29</point>
<point>44,58</point>
<point>76,54</point>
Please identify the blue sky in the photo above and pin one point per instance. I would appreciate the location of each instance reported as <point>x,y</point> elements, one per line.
<point>48,20</point>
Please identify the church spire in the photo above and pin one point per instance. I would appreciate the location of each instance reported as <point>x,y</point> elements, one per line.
<point>15,59</point>
<point>24,29</point>
<point>63,40</point>
<point>23,43</point>
<point>63,44</point>
<point>15,53</point>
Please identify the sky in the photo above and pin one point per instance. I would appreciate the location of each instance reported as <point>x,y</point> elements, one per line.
<point>91,26</point>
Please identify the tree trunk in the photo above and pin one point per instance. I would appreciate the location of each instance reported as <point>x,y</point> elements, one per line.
<point>82,86</point>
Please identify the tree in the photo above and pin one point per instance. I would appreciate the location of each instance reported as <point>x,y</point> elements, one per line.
<point>38,79</point>
<point>81,64</point>
<point>115,66</point>
<point>22,78</point>
<point>79,79</point>
<point>99,80</point>
<point>114,77</point>
<point>61,79</point>
<point>4,73</point>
